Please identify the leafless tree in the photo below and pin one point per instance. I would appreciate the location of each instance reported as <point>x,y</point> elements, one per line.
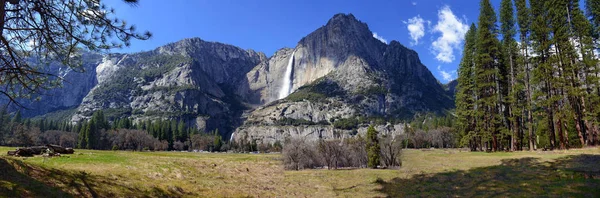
<point>161,145</point>
<point>356,152</point>
<point>129,139</point>
<point>391,151</point>
<point>201,142</point>
<point>68,139</point>
<point>24,136</point>
<point>331,152</point>
<point>51,137</point>
<point>441,137</point>
<point>300,154</point>
<point>418,138</point>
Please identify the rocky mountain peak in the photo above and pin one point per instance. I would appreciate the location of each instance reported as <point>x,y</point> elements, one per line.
<point>341,28</point>
<point>342,18</point>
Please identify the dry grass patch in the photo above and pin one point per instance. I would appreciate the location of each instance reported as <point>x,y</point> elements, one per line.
<point>431,173</point>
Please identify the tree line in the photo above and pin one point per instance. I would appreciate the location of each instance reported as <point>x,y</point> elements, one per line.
<point>541,91</point>
<point>102,134</point>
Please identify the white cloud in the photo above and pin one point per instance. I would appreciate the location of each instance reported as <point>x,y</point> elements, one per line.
<point>416,28</point>
<point>414,3</point>
<point>447,75</point>
<point>452,30</point>
<point>379,38</point>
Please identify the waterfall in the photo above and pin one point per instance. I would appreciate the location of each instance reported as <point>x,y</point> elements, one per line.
<point>286,88</point>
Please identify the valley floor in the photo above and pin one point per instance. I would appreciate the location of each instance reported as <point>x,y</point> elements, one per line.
<point>428,173</point>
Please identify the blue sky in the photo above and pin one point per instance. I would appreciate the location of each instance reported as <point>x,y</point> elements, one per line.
<point>433,28</point>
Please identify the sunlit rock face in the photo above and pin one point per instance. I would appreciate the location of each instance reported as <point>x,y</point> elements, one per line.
<point>191,80</point>
<point>340,71</point>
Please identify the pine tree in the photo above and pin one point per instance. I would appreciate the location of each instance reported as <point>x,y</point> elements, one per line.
<point>465,92</point>
<point>487,76</point>
<point>100,121</point>
<point>592,8</point>
<point>90,134</point>
<point>509,46</point>
<point>373,148</point>
<point>583,30</point>
<point>578,64</point>
<point>181,130</point>
<point>543,70</point>
<point>83,139</point>
<point>560,61</point>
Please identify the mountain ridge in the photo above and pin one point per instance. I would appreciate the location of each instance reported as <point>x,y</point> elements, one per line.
<point>339,71</point>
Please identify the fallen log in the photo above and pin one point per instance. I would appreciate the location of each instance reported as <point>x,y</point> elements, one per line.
<point>60,149</point>
<point>38,150</point>
<point>24,152</point>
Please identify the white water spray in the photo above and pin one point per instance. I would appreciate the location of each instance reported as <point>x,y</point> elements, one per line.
<point>286,88</point>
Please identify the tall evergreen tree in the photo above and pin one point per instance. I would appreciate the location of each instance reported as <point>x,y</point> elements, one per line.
<point>82,142</point>
<point>509,47</point>
<point>583,31</point>
<point>592,8</point>
<point>465,94</point>
<point>91,134</point>
<point>373,148</point>
<point>181,130</point>
<point>487,76</point>
<point>543,69</point>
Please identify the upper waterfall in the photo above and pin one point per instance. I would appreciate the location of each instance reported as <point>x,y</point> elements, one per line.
<point>286,88</point>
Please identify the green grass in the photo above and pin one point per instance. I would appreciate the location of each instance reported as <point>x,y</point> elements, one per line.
<point>428,173</point>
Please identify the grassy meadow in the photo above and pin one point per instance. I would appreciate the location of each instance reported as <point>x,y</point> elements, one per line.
<point>427,173</point>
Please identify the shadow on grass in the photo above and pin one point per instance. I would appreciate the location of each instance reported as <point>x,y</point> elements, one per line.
<point>572,176</point>
<point>20,179</point>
